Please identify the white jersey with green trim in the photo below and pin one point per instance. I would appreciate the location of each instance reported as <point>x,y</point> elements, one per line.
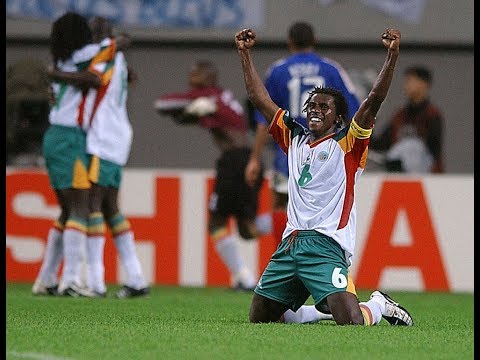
<point>110,133</point>
<point>69,100</point>
<point>322,177</point>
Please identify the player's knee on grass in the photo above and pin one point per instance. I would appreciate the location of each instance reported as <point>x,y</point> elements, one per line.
<point>345,309</point>
<point>264,310</point>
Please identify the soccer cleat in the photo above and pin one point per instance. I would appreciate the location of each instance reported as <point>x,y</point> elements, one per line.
<point>71,292</point>
<point>97,294</point>
<point>74,290</point>
<point>240,286</point>
<point>41,289</point>
<point>129,292</point>
<point>244,280</point>
<point>394,313</point>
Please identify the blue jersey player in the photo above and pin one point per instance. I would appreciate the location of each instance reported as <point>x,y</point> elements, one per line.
<point>289,81</point>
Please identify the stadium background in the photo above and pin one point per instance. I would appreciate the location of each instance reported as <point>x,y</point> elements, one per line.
<point>441,38</point>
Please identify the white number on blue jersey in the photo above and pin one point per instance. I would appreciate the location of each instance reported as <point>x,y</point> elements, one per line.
<point>297,96</point>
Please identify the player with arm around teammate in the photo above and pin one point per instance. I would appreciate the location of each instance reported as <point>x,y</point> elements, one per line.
<point>72,73</point>
<point>324,164</point>
<point>109,140</point>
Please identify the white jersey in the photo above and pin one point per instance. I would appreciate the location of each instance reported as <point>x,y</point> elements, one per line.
<point>69,105</point>
<point>110,133</point>
<point>322,177</point>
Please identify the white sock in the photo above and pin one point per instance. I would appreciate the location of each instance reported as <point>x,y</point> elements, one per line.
<point>264,223</point>
<point>74,248</point>
<point>229,252</point>
<point>246,277</point>
<point>127,251</point>
<point>52,258</point>
<point>306,314</point>
<point>95,263</point>
<point>376,307</point>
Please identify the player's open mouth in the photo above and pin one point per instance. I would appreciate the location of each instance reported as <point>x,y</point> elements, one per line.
<point>315,119</point>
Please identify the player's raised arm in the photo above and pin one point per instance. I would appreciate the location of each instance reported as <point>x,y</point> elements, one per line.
<point>256,91</point>
<point>365,116</point>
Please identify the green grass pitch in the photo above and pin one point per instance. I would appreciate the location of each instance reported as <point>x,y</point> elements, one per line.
<point>212,323</point>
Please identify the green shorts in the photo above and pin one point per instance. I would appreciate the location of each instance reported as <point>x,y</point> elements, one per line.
<point>64,151</point>
<point>104,173</point>
<point>305,263</point>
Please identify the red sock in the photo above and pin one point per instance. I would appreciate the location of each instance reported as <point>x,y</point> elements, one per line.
<point>279,218</point>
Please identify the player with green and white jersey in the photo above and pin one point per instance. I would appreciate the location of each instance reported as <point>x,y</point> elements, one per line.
<point>109,140</point>
<point>64,149</point>
<point>325,160</point>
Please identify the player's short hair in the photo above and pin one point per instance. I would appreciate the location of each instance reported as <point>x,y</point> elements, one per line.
<point>420,72</point>
<point>339,99</point>
<point>301,34</point>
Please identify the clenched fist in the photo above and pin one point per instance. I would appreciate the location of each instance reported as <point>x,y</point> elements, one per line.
<point>245,39</point>
<point>391,39</point>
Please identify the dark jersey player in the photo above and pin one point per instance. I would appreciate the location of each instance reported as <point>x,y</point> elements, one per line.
<point>215,109</point>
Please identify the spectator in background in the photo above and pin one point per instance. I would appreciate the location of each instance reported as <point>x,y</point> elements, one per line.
<point>209,106</point>
<point>288,81</point>
<point>413,139</point>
